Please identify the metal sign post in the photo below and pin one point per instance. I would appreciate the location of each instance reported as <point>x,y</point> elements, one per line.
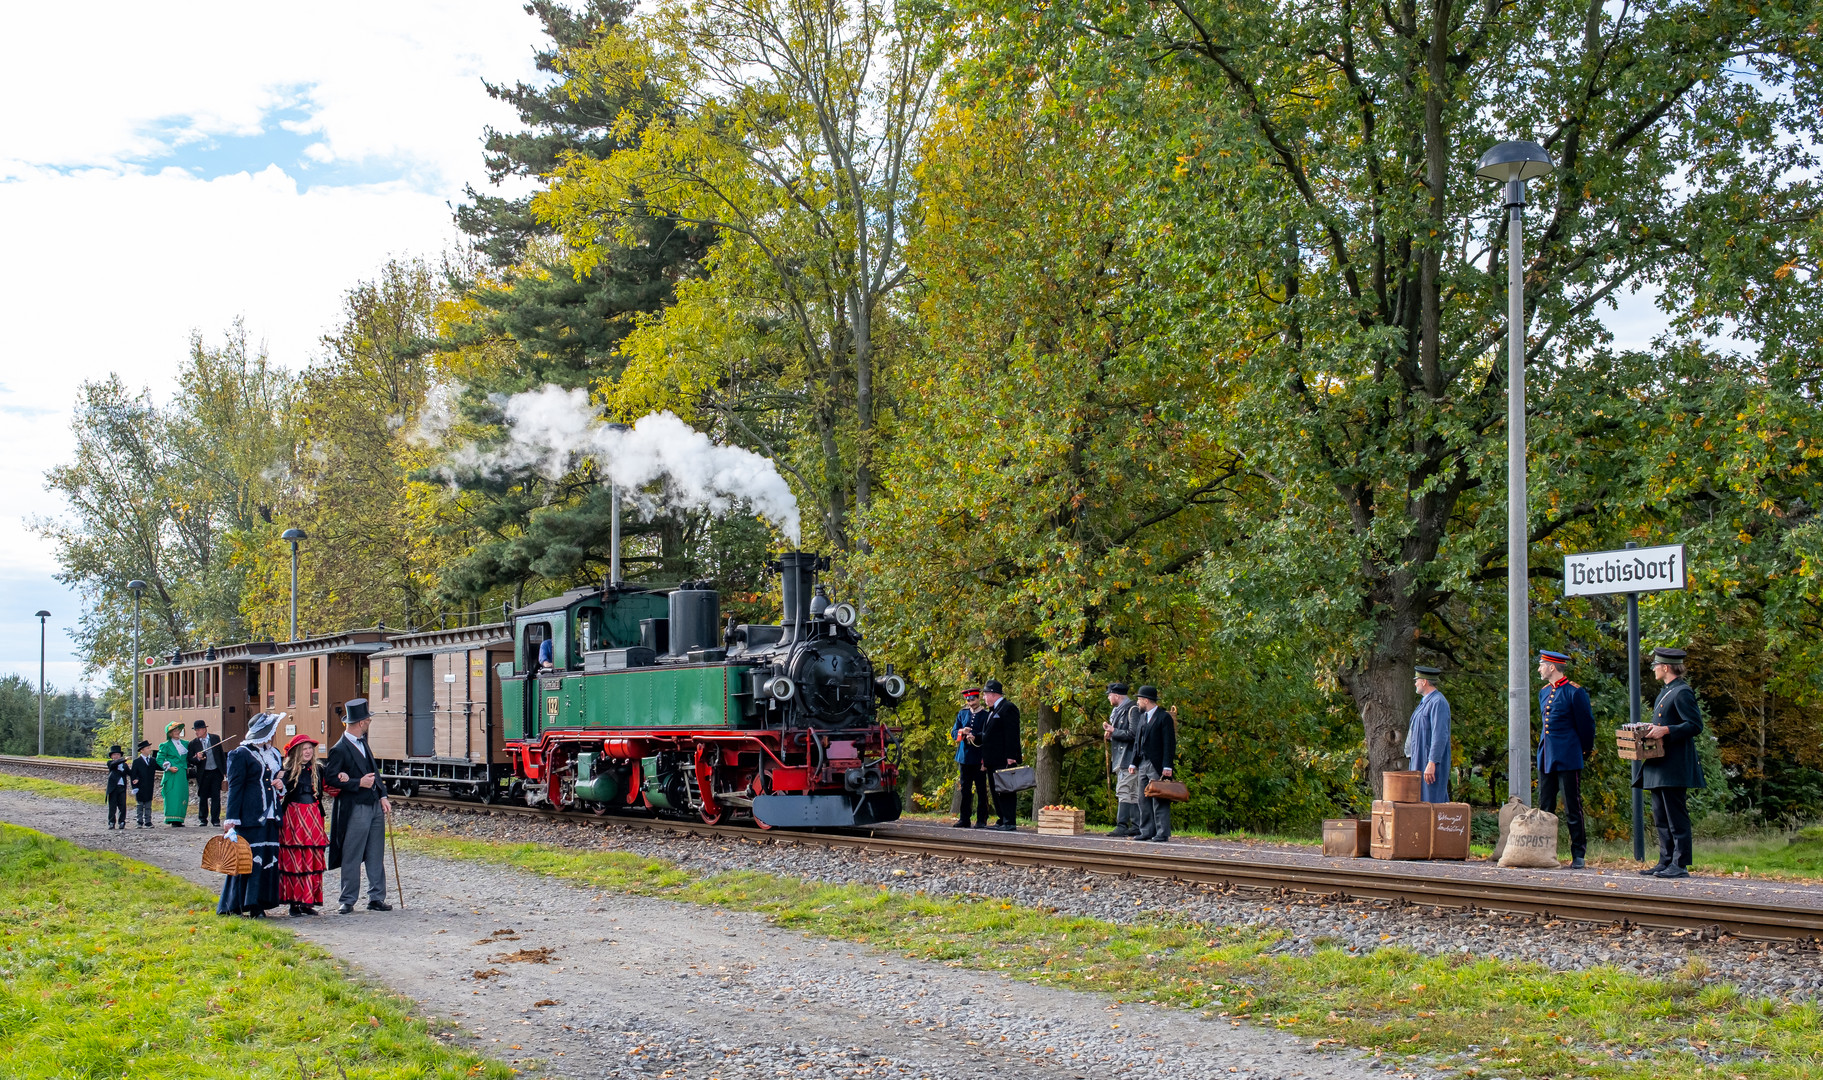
<point>1632,570</point>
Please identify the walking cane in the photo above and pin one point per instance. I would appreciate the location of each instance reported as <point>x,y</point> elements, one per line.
<point>395,862</point>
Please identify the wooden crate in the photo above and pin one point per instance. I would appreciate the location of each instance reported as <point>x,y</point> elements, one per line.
<point>1348,838</point>
<point>1053,822</point>
<point>1401,830</point>
<point>1632,744</point>
<point>1401,787</point>
<point>1450,830</point>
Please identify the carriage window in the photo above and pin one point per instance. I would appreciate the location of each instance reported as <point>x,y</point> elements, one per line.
<point>386,680</point>
<point>536,634</point>
<point>315,682</point>
<point>291,682</point>
<point>591,631</point>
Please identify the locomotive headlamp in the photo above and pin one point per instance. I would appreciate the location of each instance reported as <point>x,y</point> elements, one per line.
<point>893,686</point>
<point>845,614</point>
<point>782,688</point>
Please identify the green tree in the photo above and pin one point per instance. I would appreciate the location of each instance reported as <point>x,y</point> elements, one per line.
<point>1303,176</point>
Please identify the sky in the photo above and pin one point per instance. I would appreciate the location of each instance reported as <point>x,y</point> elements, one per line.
<point>175,166</point>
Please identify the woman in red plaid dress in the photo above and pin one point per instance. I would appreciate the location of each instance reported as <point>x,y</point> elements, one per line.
<point>302,840</point>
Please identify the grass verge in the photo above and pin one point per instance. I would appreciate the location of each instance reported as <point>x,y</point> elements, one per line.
<point>111,968</point>
<point>56,789</point>
<point>1480,1018</point>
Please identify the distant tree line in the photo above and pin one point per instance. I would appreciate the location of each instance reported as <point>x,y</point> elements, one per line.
<point>71,720</point>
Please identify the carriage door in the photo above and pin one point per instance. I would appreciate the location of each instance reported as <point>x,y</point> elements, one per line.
<point>420,707</point>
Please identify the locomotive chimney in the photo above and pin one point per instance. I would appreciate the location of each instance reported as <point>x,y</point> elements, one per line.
<point>797,580</point>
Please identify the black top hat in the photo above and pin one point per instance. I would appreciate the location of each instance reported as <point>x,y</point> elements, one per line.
<point>115,749</point>
<point>1426,672</point>
<point>1149,692</point>
<point>1117,688</point>
<point>357,711</point>
<point>1668,656</point>
<point>992,686</point>
<point>142,745</point>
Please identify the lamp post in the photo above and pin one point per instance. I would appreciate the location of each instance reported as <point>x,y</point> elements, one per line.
<point>1512,164</point>
<point>42,615</point>
<point>294,535</point>
<point>138,587</point>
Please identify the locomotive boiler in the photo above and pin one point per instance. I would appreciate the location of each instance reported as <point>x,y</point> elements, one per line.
<point>623,697</point>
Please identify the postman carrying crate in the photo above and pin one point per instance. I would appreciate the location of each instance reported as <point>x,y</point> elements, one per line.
<point>1402,830</point>
<point>1060,821</point>
<point>1633,744</point>
<point>1449,830</point>
<point>1348,838</point>
<point>1405,787</point>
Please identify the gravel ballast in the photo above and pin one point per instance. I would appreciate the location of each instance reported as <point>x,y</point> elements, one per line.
<point>564,981</point>
<point>1779,970</point>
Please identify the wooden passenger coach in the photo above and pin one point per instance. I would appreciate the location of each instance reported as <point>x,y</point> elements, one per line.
<point>311,679</point>
<point>436,704</point>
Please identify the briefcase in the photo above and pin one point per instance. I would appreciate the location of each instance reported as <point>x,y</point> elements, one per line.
<point>1017,778</point>
<point>224,856</point>
<point>1168,790</point>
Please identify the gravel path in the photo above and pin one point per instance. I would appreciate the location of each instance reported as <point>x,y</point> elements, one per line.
<point>1789,970</point>
<point>565,982</point>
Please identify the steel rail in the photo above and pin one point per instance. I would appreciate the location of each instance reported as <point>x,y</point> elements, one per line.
<point>1336,879</point>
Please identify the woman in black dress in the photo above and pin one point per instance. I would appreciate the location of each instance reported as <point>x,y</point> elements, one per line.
<point>255,788</point>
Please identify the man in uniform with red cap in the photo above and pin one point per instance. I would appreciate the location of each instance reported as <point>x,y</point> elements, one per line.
<point>970,773</point>
<point>1569,736</point>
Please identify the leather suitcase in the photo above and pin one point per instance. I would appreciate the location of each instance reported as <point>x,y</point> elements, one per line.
<point>1449,830</point>
<point>1400,786</point>
<point>1348,838</point>
<point>1402,830</point>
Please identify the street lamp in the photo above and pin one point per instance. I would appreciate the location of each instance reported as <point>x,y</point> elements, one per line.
<point>1512,164</point>
<point>138,587</point>
<point>294,535</point>
<point>42,615</point>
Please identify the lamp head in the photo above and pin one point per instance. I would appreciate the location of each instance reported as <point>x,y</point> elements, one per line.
<point>137,586</point>
<point>44,614</point>
<point>294,535</point>
<point>1515,160</point>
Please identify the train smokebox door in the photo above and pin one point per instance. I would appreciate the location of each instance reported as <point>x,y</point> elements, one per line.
<point>420,699</point>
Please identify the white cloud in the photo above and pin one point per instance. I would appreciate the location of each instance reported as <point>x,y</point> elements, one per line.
<point>173,167</point>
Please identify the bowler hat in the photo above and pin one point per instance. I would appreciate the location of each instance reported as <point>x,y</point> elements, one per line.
<point>1149,692</point>
<point>200,724</point>
<point>992,686</point>
<point>357,711</point>
<point>142,744</point>
<point>1117,688</point>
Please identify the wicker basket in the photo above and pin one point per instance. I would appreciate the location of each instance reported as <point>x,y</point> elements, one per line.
<point>225,856</point>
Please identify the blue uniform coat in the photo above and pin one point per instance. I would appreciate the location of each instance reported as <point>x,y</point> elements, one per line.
<point>967,753</point>
<point>1427,740</point>
<point>1569,727</point>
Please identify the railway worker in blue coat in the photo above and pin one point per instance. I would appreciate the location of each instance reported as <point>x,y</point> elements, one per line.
<point>1569,737</point>
<point>1427,739</point>
<point>1668,779</point>
<point>971,775</point>
<point>1121,730</point>
<point>1000,749</point>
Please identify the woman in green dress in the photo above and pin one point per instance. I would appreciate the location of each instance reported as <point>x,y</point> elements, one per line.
<point>174,759</point>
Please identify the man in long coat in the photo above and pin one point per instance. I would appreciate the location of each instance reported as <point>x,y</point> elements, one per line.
<point>975,791</point>
<point>1668,779</point>
<point>1569,737</point>
<point>1427,740</point>
<point>359,833</point>
<point>1000,749</point>
<point>1154,758</point>
<point>1122,732</point>
<point>208,765</point>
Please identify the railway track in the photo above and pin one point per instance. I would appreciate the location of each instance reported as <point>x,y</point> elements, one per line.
<point>1585,898</point>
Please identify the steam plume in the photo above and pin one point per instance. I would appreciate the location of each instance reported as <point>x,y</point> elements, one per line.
<point>550,428</point>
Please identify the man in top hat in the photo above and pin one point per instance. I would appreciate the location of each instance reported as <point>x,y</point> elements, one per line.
<point>1000,749</point>
<point>119,779</point>
<point>145,773</point>
<point>1121,730</point>
<point>1427,739</point>
<point>1154,758</point>
<point>1569,737</point>
<point>1667,779</point>
<point>966,734</point>
<point>208,765</point>
<point>359,833</point>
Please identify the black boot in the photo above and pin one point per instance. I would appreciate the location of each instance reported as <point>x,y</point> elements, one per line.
<point>1124,819</point>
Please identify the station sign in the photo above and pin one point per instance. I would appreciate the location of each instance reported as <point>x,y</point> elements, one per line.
<point>1630,570</point>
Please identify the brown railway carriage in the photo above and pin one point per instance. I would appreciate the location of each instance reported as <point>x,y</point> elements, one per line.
<point>311,679</point>
<point>435,699</point>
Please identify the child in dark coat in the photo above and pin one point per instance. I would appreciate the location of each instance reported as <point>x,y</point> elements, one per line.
<point>146,775</point>
<point>119,778</point>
